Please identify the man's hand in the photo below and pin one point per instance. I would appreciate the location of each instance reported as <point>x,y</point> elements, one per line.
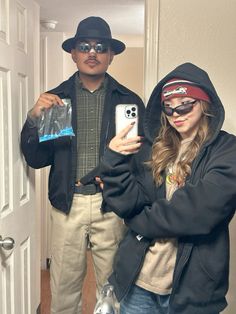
<point>45,101</point>
<point>99,181</point>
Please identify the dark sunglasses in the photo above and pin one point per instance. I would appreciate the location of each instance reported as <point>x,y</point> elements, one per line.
<point>86,47</point>
<point>181,109</point>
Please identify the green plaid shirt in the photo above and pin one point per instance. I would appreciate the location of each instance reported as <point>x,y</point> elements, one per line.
<point>89,118</point>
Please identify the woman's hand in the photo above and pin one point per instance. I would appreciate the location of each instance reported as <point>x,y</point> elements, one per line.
<point>122,145</point>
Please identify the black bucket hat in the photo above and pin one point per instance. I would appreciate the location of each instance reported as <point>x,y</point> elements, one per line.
<point>95,28</point>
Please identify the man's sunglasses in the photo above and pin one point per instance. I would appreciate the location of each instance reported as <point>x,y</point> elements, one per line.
<point>86,47</point>
<point>181,109</point>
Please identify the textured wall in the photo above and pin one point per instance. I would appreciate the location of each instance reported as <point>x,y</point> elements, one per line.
<point>204,32</point>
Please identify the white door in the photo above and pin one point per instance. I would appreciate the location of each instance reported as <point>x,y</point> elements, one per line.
<point>19,267</point>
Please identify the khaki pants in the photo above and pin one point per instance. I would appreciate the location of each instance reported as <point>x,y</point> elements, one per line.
<point>71,235</point>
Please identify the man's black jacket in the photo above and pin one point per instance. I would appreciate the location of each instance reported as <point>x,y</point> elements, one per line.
<point>59,153</point>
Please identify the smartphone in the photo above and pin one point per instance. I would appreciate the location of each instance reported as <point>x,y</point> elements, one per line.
<point>125,114</point>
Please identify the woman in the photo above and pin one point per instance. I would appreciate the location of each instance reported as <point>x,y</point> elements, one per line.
<point>177,204</point>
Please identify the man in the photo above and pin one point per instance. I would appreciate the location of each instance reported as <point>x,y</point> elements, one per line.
<point>74,192</point>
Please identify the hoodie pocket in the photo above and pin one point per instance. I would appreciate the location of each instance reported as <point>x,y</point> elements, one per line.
<point>196,285</point>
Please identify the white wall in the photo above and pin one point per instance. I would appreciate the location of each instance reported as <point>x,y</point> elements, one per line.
<point>51,74</point>
<point>52,68</point>
<point>204,32</point>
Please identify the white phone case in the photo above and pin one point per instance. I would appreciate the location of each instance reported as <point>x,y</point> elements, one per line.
<point>125,114</point>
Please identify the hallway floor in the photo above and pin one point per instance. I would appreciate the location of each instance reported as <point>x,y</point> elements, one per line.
<point>89,297</point>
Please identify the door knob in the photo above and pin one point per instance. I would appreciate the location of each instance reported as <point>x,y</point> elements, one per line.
<point>7,243</point>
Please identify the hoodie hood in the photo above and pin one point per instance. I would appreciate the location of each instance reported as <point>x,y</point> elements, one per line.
<point>189,72</point>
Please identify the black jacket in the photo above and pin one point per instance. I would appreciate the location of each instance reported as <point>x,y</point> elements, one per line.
<point>198,213</point>
<point>59,153</point>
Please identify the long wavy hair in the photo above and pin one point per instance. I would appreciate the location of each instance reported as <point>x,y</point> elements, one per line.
<point>166,146</point>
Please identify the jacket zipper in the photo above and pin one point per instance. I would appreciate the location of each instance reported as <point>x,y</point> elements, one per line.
<point>185,256</point>
<point>136,271</point>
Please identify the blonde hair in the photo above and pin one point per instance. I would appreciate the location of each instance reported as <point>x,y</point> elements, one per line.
<point>166,147</point>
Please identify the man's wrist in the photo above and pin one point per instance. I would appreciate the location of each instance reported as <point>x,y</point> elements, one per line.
<point>32,119</point>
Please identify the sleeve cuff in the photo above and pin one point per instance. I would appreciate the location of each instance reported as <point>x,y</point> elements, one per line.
<point>115,158</point>
<point>32,121</point>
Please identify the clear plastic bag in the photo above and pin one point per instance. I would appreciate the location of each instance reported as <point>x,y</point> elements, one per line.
<point>56,122</point>
<point>106,303</point>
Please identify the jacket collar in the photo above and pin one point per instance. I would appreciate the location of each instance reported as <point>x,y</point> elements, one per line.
<point>66,88</point>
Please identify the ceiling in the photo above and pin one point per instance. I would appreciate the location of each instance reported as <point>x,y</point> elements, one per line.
<point>125,17</point>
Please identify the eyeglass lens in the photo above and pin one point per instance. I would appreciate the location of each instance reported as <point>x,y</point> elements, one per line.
<point>181,109</point>
<point>86,47</point>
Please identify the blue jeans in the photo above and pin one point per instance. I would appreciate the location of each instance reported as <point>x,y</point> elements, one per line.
<point>141,301</point>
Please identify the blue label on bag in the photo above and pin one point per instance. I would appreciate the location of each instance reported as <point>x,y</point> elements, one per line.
<point>64,132</point>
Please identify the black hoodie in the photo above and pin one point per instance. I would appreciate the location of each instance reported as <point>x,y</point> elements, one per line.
<point>198,213</point>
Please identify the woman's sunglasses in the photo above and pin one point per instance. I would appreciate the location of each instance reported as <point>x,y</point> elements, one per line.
<point>86,47</point>
<point>181,109</point>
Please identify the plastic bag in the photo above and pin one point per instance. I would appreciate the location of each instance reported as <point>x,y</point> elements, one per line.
<point>56,122</point>
<point>106,301</point>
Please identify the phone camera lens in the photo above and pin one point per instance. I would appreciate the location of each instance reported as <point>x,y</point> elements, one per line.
<point>133,108</point>
<point>133,114</point>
